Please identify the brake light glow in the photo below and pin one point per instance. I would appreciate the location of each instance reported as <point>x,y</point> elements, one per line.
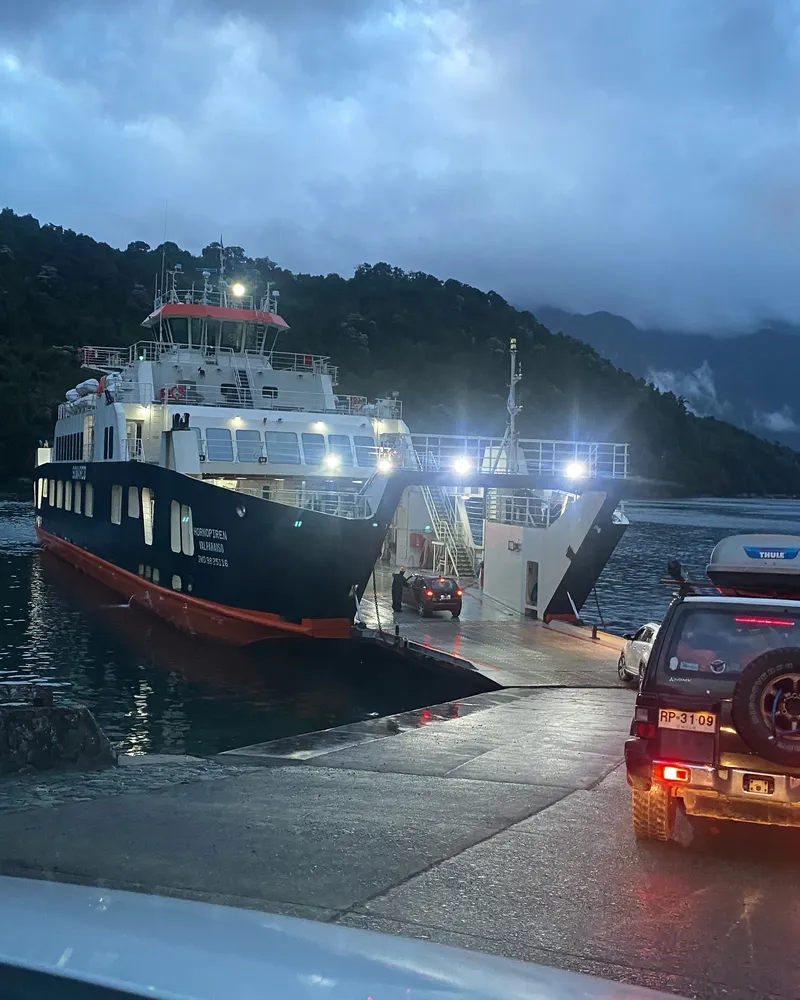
<point>429,593</point>
<point>459,593</point>
<point>788,622</point>
<point>645,730</point>
<point>670,772</point>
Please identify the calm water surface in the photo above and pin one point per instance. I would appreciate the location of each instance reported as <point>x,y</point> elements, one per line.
<point>155,690</point>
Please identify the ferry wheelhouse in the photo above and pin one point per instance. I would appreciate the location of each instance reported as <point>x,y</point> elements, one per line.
<point>220,482</point>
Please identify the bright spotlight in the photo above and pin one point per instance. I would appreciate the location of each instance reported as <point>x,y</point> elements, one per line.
<point>238,289</point>
<point>462,465</point>
<point>332,461</point>
<point>385,465</point>
<point>575,470</point>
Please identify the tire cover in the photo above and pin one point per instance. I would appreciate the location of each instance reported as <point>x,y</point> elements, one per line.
<point>747,697</point>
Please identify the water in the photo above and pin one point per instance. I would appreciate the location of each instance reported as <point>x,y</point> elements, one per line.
<point>156,690</point>
<point>628,591</point>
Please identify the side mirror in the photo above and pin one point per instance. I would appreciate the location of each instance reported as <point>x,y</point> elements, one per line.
<point>628,636</point>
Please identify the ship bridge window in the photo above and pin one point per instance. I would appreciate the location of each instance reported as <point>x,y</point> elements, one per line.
<point>270,392</point>
<point>248,446</point>
<point>366,451</point>
<point>340,445</point>
<point>282,447</point>
<point>231,335</point>
<point>116,505</point>
<point>314,448</point>
<point>219,445</point>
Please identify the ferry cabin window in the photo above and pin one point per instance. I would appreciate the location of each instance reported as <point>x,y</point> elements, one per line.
<point>175,526</point>
<point>44,488</point>
<point>88,507</point>
<point>231,335</point>
<point>78,497</point>
<point>187,532</point>
<point>108,442</point>
<point>248,446</point>
<point>366,452</point>
<point>52,497</point>
<point>219,446</point>
<point>116,505</point>
<point>68,496</point>
<point>59,494</point>
<point>41,487</point>
<point>133,501</point>
<point>283,447</point>
<point>147,515</point>
<point>314,448</point>
<point>340,445</point>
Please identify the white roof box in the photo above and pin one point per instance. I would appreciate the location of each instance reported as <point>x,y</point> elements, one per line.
<point>756,565</point>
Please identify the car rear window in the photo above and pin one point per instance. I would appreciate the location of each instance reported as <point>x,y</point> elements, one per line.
<point>710,647</point>
<point>441,586</point>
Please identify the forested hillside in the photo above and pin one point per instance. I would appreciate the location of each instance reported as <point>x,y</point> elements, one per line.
<point>441,345</point>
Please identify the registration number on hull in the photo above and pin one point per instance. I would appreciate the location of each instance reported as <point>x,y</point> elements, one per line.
<point>693,722</point>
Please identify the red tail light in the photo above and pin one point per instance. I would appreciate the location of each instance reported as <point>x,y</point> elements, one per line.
<point>429,593</point>
<point>645,730</point>
<point>766,621</point>
<point>672,772</point>
<point>459,593</point>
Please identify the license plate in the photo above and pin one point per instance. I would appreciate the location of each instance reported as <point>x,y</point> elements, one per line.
<point>693,722</point>
<point>759,785</point>
<point>444,597</point>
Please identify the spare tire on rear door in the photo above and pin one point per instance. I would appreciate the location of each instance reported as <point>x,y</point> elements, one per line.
<point>766,706</point>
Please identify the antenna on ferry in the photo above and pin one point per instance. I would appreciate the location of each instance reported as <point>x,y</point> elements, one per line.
<point>509,444</point>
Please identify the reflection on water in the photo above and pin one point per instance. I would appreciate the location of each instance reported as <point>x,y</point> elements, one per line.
<point>155,690</point>
<point>628,591</point>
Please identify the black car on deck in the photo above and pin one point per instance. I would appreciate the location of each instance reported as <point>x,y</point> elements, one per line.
<point>433,593</point>
<point>716,729</point>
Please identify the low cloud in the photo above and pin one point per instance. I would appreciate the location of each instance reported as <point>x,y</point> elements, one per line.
<point>776,422</point>
<point>697,388</point>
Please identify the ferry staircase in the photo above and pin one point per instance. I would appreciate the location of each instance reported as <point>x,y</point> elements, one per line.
<point>455,555</point>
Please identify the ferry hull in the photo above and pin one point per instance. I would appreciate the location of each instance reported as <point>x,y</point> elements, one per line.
<point>259,569</point>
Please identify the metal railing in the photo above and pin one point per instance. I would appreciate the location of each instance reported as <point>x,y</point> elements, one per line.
<point>131,450</point>
<point>242,396</point>
<point>347,505</point>
<point>535,512</point>
<point>571,459</point>
<point>157,350</point>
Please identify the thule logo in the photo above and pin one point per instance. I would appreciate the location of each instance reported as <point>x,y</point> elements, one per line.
<point>753,552</point>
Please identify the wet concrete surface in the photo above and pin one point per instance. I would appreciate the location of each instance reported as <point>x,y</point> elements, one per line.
<point>504,827</point>
<point>498,822</point>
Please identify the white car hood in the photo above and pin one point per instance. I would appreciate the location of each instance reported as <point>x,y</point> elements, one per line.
<point>163,947</point>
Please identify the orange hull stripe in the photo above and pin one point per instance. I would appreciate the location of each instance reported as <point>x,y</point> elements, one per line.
<point>193,614</point>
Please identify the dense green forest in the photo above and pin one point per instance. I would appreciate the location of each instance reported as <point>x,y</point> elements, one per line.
<point>441,345</point>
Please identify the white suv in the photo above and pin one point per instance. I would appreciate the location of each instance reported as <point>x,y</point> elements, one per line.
<point>636,652</point>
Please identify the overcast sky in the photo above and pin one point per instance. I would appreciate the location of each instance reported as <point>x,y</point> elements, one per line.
<point>639,156</point>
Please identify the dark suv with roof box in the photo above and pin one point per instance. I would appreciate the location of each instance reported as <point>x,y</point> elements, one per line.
<point>716,729</point>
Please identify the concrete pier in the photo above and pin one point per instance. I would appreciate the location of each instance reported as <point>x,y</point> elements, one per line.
<point>497,822</point>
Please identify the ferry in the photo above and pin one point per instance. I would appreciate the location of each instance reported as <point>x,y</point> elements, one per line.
<point>231,489</point>
<point>220,482</point>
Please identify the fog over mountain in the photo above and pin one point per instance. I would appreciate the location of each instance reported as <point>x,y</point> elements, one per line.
<point>750,380</point>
